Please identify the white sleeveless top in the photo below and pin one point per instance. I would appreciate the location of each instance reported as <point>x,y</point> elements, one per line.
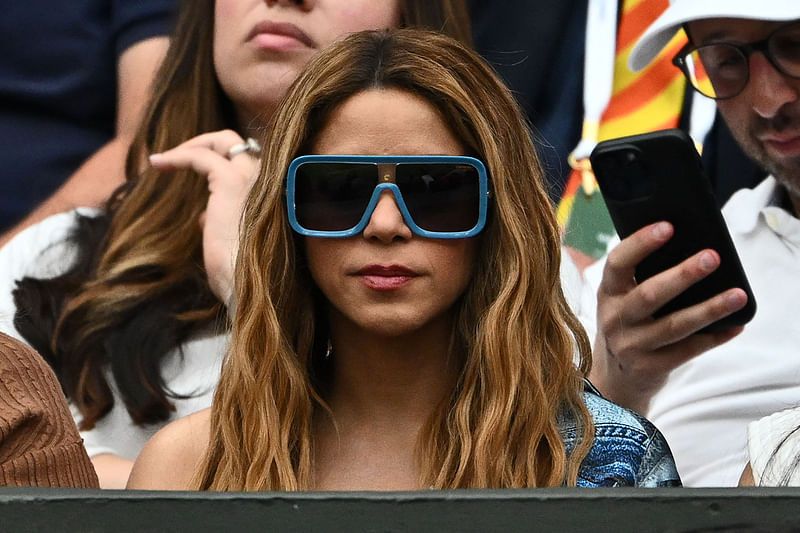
<point>191,370</point>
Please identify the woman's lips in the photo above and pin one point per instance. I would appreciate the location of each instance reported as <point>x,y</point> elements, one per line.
<point>279,36</point>
<point>386,278</point>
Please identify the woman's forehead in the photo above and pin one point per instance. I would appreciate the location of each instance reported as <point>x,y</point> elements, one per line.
<point>386,122</point>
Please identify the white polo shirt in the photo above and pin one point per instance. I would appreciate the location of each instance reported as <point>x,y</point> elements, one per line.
<point>706,404</point>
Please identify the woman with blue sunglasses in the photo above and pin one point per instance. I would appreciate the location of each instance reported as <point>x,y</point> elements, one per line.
<point>399,322</point>
<point>126,302</point>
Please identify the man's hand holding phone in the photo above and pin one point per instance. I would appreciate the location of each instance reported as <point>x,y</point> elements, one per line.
<point>634,351</point>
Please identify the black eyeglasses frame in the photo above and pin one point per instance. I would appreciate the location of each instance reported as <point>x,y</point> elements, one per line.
<point>745,50</point>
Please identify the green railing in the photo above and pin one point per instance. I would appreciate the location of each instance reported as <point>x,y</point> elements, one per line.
<point>558,510</point>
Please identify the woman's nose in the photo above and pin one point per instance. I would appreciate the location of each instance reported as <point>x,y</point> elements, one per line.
<point>386,222</point>
<point>305,5</point>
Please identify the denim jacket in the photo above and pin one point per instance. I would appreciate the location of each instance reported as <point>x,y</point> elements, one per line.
<point>627,450</point>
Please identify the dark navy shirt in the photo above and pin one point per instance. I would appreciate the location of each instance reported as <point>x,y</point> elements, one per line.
<point>58,87</point>
<point>627,450</point>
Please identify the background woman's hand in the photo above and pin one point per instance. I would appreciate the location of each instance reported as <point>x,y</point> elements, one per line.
<point>230,176</point>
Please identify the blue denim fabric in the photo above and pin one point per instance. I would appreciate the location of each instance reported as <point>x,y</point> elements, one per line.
<point>627,450</point>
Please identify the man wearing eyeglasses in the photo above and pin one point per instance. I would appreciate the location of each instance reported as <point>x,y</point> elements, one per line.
<point>702,389</point>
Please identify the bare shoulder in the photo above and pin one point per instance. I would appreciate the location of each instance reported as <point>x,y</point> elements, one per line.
<point>170,458</point>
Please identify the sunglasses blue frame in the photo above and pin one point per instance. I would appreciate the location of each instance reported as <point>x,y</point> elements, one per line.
<point>483,193</point>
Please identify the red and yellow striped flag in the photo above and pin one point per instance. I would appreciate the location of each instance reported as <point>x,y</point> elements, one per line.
<point>640,102</point>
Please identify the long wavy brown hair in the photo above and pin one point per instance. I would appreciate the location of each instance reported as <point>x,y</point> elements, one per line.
<point>517,336</point>
<point>138,288</point>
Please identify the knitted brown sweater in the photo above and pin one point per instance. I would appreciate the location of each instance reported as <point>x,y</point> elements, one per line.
<point>39,443</point>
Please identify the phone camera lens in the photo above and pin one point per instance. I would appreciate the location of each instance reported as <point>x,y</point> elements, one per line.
<point>629,157</point>
<point>627,176</point>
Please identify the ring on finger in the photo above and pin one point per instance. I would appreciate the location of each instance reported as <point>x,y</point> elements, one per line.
<point>250,145</point>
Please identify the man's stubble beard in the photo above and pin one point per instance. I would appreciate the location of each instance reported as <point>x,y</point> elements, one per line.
<point>786,172</point>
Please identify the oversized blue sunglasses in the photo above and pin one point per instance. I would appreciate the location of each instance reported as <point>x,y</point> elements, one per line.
<point>441,197</point>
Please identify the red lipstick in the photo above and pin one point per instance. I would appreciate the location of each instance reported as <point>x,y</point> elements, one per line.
<point>386,278</point>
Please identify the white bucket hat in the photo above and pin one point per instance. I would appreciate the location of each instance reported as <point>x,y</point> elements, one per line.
<point>681,11</point>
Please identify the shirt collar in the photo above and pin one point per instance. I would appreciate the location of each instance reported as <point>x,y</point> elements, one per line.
<point>765,205</point>
<point>744,208</point>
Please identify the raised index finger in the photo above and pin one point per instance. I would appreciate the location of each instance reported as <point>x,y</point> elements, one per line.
<point>622,261</point>
<point>217,141</point>
<point>201,159</point>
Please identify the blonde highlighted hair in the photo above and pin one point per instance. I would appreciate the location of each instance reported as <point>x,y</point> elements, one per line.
<point>138,288</point>
<point>517,337</point>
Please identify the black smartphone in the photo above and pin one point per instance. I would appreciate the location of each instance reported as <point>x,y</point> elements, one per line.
<point>659,176</point>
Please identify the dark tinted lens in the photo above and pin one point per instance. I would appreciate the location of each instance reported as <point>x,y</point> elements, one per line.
<point>333,196</point>
<point>726,67</point>
<point>440,197</point>
<point>785,49</point>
